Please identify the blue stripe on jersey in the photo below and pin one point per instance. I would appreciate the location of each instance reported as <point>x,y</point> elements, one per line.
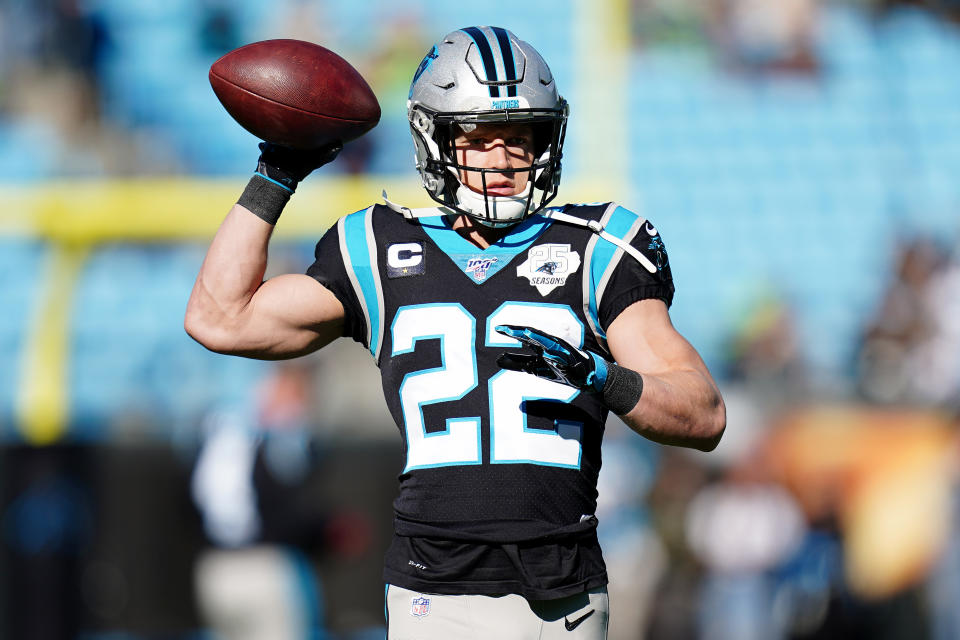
<point>363,266</point>
<point>486,54</point>
<point>619,225</point>
<point>464,253</point>
<point>506,52</point>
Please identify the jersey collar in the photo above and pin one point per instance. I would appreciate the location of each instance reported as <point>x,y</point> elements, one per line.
<point>480,264</point>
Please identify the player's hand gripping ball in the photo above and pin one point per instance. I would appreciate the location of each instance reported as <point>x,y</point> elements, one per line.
<point>289,166</point>
<point>294,93</point>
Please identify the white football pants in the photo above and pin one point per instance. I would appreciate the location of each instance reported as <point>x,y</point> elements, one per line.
<point>423,616</point>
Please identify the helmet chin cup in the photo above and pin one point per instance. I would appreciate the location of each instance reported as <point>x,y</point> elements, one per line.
<point>494,211</point>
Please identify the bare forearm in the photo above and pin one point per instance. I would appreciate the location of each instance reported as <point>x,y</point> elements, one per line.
<point>679,403</point>
<point>681,408</point>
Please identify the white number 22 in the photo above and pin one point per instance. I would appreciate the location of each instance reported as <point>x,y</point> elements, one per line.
<point>512,441</point>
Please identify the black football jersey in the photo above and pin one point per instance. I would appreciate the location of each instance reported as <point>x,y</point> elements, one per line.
<point>498,488</point>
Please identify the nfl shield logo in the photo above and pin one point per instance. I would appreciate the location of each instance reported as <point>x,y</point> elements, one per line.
<point>419,606</point>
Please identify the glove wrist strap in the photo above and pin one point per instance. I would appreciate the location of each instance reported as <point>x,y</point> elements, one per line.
<point>600,372</point>
<point>277,175</point>
<point>622,389</point>
<point>265,198</point>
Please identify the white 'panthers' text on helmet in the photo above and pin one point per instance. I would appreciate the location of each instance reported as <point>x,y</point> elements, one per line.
<point>481,75</point>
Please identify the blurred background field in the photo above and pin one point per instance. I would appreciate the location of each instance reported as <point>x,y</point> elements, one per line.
<point>801,159</point>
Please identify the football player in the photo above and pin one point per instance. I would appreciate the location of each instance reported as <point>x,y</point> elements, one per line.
<point>505,330</point>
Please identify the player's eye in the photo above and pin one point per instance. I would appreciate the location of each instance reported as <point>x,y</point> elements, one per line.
<point>472,142</point>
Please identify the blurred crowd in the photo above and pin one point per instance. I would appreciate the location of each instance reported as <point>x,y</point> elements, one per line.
<point>51,56</point>
<point>908,353</point>
<point>54,54</point>
<point>754,36</point>
<point>58,58</point>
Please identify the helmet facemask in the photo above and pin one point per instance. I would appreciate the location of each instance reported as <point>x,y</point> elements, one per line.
<point>434,137</point>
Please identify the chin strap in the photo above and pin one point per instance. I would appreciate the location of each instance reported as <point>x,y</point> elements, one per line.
<point>592,225</point>
<point>412,214</point>
<point>597,228</point>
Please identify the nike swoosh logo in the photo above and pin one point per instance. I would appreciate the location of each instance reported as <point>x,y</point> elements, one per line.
<point>576,623</point>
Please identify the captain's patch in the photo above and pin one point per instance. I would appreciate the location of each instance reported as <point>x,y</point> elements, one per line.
<point>405,259</point>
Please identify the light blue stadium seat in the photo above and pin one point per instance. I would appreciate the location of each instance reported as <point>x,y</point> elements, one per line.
<point>125,14</point>
<point>28,151</point>
<point>846,42</point>
<point>129,352</point>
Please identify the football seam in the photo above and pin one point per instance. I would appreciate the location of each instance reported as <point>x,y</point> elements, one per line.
<point>283,104</point>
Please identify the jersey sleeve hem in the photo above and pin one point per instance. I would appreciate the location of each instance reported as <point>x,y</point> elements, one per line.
<point>647,292</point>
<point>349,329</point>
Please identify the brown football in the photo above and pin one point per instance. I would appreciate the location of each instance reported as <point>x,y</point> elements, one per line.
<point>294,93</point>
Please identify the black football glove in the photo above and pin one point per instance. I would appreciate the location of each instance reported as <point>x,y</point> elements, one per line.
<point>555,359</point>
<point>288,166</point>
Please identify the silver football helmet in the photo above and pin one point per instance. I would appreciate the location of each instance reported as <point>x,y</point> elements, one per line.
<point>480,75</point>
